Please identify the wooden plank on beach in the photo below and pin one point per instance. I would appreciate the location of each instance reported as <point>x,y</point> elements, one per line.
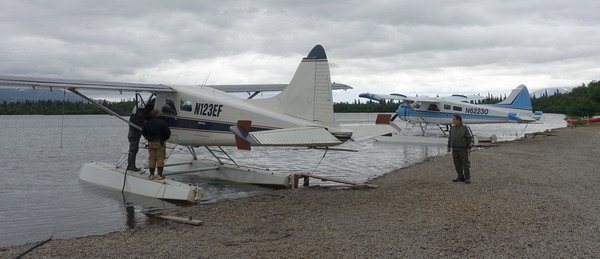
<point>189,220</point>
<point>326,178</point>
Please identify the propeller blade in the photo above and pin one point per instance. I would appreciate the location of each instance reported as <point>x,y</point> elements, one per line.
<point>394,117</point>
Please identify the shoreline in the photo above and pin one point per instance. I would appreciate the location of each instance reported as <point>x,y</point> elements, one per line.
<point>529,198</point>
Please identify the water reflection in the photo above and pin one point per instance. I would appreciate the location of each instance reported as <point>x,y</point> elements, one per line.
<point>130,212</point>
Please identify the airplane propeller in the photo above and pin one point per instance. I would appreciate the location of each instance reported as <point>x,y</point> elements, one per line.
<point>394,117</point>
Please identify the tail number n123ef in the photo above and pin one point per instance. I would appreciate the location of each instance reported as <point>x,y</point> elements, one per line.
<point>208,109</point>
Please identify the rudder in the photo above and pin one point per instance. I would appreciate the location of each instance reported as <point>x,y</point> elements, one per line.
<point>308,96</point>
<point>518,99</point>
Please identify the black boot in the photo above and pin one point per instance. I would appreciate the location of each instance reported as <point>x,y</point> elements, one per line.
<point>160,172</point>
<point>459,179</point>
<point>131,163</point>
<point>151,176</point>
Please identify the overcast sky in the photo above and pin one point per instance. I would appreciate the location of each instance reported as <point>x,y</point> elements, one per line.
<point>410,47</point>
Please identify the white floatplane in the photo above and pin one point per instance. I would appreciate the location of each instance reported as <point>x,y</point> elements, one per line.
<point>300,116</point>
<point>516,108</point>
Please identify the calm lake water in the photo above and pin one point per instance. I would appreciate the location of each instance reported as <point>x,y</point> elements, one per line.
<point>41,195</point>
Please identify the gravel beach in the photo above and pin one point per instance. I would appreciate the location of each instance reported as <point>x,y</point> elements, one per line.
<point>535,197</point>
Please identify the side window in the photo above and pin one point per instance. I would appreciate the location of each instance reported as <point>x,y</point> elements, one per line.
<point>447,107</point>
<point>417,105</point>
<point>185,105</point>
<point>432,107</point>
<point>457,108</point>
<point>169,107</point>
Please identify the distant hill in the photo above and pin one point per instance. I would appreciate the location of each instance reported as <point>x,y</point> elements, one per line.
<point>550,91</point>
<point>21,94</point>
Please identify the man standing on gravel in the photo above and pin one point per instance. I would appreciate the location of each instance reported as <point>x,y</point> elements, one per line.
<point>460,143</point>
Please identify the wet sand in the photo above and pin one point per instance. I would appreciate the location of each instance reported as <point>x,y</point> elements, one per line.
<point>529,198</point>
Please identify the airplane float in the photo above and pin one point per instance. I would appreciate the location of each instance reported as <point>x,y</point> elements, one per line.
<point>300,116</point>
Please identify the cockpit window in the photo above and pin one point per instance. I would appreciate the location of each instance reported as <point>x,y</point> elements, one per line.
<point>169,107</point>
<point>446,106</point>
<point>185,105</point>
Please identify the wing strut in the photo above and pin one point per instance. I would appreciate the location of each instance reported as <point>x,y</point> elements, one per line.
<point>109,111</point>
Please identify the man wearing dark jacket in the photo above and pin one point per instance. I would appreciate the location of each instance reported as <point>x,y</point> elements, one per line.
<point>134,136</point>
<point>157,132</point>
<point>460,143</point>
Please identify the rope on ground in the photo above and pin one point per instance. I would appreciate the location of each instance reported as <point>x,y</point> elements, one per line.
<point>163,186</point>
<point>318,164</point>
<point>523,131</point>
<point>124,180</point>
<point>34,247</point>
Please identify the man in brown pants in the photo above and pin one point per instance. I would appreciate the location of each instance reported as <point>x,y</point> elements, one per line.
<point>460,143</point>
<point>157,132</point>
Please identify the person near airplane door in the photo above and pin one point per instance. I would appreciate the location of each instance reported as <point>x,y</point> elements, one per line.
<point>157,132</point>
<point>134,135</point>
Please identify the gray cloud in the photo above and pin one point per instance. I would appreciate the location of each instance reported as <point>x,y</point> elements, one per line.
<point>509,42</point>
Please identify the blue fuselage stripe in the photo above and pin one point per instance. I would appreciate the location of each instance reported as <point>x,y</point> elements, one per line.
<point>181,123</point>
<point>402,112</point>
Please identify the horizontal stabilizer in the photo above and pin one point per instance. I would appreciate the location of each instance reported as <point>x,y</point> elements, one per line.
<point>291,137</point>
<point>525,118</point>
<point>365,131</point>
<point>520,117</point>
<point>304,136</point>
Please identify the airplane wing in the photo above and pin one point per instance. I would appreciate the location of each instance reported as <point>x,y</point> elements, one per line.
<point>381,97</point>
<point>21,81</point>
<point>400,97</point>
<point>266,87</point>
<point>465,98</point>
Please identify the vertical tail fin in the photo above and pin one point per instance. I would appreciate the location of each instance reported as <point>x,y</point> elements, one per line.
<point>518,99</point>
<point>308,96</point>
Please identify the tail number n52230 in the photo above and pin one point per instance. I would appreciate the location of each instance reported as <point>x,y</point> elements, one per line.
<point>476,110</point>
<point>208,109</point>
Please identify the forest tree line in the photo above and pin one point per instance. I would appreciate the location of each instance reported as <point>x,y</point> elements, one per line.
<point>582,101</point>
